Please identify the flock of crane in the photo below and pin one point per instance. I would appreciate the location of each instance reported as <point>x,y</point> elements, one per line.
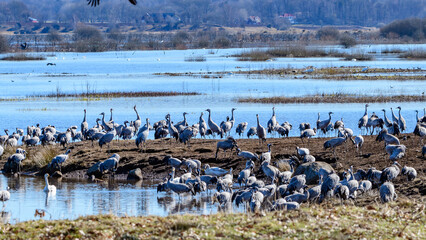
<point>287,191</point>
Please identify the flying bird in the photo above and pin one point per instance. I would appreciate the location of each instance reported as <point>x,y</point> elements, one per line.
<point>95,3</point>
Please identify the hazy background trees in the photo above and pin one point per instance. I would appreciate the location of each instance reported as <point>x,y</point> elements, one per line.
<point>222,12</point>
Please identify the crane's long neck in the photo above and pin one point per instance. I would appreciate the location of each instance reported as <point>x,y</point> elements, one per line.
<point>184,119</point>
<point>110,119</point>
<point>399,113</point>
<point>273,112</point>
<point>329,117</point>
<point>232,115</point>
<point>258,124</point>
<point>47,181</point>
<point>210,116</point>
<point>201,118</point>
<point>269,148</point>
<point>137,115</point>
<point>318,116</point>
<point>84,119</point>
<point>417,116</point>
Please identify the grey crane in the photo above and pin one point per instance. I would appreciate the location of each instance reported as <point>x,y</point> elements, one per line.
<point>301,152</point>
<point>228,144</point>
<point>410,172</point>
<point>137,123</point>
<point>420,131</point>
<point>359,141</point>
<point>59,160</point>
<point>298,197</point>
<point>1,151</point>
<point>420,119</point>
<point>241,128</point>
<point>174,133</point>
<point>215,171</point>
<point>322,125</point>
<point>180,126</point>
<point>128,131</point>
<point>108,126</point>
<point>242,196</point>
<point>212,125</point>
<point>362,122</point>
<point>232,117</point>
<point>272,123</point>
<point>256,201</point>
<point>342,191</point>
<point>388,138</point>
<point>223,198</point>
<point>4,196</point>
<point>64,138</point>
<point>180,188</point>
<point>394,117</point>
<point>281,204</point>
<point>186,135</point>
<point>304,126</point>
<point>401,121</point>
<point>84,126</point>
<point>374,122</point>
<point>315,191</point>
<point>374,175</point>
<point>267,156</point>
<point>365,186</point>
<point>284,129</point>
<point>387,192</point>
<point>339,124</point>
<point>328,186</point>
<point>296,183</point>
<point>245,173</point>
<point>107,138</point>
<point>334,142</point>
<point>261,131</point>
<point>251,132</point>
<point>202,126</point>
<point>395,151</point>
<point>32,141</point>
<point>143,135</point>
<point>247,155</point>
<point>4,138</point>
<point>386,120</point>
<point>172,161</point>
<point>95,3</point>
<point>226,126</point>
<point>308,158</point>
<point>111,164</point>
<point>390,173</point>
<point>269,170</point>
<point>308,133</point>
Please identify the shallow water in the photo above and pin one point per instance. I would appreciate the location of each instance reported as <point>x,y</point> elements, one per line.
<point>80,198</point>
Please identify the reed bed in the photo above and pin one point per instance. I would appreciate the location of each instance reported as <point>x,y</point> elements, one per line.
<point>113,94</point>
<point>292,51</point>
<point>22,57</point>
<point>334,98</point>
<point>414,54</point>
<point>195,59</point>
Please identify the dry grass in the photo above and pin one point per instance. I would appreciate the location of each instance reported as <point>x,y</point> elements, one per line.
<point>43,156</point>
<point>113,94</point>
<point>335,98</point>
<point>292,51</point>
<point>195,59</point>
<point>402,219</point>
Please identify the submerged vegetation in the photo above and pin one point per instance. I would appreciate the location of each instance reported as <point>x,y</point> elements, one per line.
<point>414,54</point>
<point>335,98</point>
<point>299,52</point>
<point>402,219</point>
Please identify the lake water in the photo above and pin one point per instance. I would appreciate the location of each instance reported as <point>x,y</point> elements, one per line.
<point>135,71</point>
<point>79,198</point>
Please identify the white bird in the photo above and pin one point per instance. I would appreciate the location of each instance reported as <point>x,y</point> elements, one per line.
<point>215,171</point>
<point>48,188</point>
<point>4,196</point>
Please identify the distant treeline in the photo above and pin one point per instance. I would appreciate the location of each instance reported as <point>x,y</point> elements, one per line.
<point>91,38</point>
<point>171,14</point>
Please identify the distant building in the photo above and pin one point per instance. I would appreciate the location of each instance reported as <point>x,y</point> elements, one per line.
<point>254,20</point>
<point>290,17</point>
<point>33,20</point>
